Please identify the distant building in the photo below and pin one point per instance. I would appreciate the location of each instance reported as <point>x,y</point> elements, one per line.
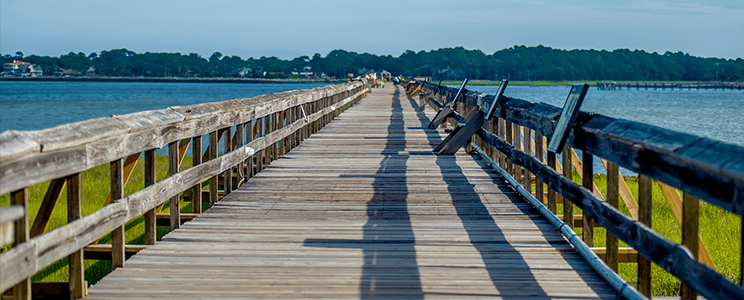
<point>245,72</point>
<point>239,72</point>
<point>19,68</point>
<point>305,72</point>
<point>386,75</point>
<point>91,71</point>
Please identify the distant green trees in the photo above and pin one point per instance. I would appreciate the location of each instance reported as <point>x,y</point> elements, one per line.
<point>515,63</point>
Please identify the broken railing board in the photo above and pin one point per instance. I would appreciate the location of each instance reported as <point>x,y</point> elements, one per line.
<point>670,256</point>
<point>458,137</point>
<point>709,170</point>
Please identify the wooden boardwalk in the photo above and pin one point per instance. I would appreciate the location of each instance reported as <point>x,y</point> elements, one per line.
<point>363,209</point>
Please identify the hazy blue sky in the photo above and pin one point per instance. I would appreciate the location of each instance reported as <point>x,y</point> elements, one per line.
<point>288,29</point>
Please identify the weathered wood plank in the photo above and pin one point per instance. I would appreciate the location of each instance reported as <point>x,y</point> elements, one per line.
<point>690,228</point>
<point>645,206</point>
<point>613,179</point>
<point>21,284</point>
<point>117,235</point>
<point>149,216</point>
<point>76,268</point>
<point>175,201</point>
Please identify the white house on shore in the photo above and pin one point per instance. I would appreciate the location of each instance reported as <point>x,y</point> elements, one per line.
<point>19,68</point>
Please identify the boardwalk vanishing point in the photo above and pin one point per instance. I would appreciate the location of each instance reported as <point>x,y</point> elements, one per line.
<point>363,209</point>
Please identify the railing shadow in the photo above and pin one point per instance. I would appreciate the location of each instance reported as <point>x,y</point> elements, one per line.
<point>388,243</point>
<point>388,272</point>
<point>477,220</point>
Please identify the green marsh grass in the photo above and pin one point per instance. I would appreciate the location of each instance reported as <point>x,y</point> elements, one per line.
<point>719,230</point>
<point>96,188</point>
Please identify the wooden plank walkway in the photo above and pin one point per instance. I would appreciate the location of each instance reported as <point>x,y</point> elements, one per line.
<point>363,209</point>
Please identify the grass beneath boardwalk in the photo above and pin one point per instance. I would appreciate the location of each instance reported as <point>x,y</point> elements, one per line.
<point>96,188</point>
<point>719,230</point>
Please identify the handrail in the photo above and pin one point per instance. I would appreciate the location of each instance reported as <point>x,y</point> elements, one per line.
<point>63,152</point>
<point>680,160</point>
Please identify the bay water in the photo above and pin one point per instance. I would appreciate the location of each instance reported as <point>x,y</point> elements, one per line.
<point>716,114</point>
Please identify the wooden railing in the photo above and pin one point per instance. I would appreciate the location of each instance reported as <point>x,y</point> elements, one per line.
<point>255,131</point>
<point>515,139</point>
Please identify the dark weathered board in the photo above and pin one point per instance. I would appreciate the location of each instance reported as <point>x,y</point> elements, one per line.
<point>364,209</point>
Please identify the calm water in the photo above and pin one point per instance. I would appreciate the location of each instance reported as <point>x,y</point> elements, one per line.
<point>39,105</point>
<point>716,114</point>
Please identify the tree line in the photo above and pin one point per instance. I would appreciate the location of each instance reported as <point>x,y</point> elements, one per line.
<point>514,63</point>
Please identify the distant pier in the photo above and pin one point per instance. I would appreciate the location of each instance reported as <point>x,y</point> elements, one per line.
<point>611,86</point>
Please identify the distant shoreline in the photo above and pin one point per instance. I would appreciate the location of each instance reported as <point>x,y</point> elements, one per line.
<point>568,83</point>
<point>169,79</point>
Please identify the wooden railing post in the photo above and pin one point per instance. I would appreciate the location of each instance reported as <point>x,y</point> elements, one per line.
<point>260,133</point>
<point>74,212</point>
<point>175,207</point>
<point>568,172</point>
<point>227,181</point>
<point>117,236</point>
<point>150,178</point>
<point>509,166</point>
<point>501,133</point>
<point>587,231</point>
<point>539,192</point>
<point>248,139</point>
<point>196,159</point>
<point>213,140</point>
<point>552,195</point>
<point>527,149</point>
<point>22,291</point>
<point>517,143</point>
<point>690,226</point>
<point>645,204</point>
<point>239,136</point>
<point>613,194</point>
<point>275,145</point>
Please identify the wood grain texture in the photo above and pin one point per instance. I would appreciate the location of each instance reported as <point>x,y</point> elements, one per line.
<point>363,209</point>
<point>76,269</point>
<point>21,284</point>
<point>613,181</point>
<point>117,235</point>
<point>690,228</point>
<point>175,201</point>
<point>149,216</point>
<point>645,206</point>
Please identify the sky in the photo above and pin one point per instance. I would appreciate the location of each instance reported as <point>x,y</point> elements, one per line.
<point>289,29</point>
